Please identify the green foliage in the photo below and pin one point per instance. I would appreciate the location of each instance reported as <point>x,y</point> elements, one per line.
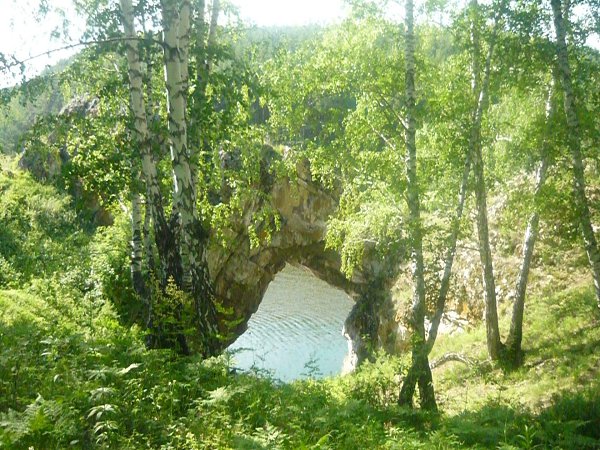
<point>375,382</point>
<point>109,274</point>
<point>39,232</point>
<point>73,368</point>
<point>67,383</point>
<point>369,220</point>
<point>21,105</point>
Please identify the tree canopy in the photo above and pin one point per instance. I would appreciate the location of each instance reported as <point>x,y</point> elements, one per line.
<point>459,143</point>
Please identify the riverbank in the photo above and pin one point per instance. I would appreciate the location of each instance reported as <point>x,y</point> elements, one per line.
<point>68,382</point>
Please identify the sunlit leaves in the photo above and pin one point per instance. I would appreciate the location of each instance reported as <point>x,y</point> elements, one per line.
<point>370,220</point>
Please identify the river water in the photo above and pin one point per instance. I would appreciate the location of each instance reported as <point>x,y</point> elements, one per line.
<point>297,330</point>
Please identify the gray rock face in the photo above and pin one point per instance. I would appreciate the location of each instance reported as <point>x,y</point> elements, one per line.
<point>242,274</point>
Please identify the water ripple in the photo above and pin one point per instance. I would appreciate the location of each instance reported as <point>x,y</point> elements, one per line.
<point>299,319</point>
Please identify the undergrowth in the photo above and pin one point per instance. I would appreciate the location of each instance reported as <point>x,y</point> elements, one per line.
<point>73,375</point>
<point>63,386</point>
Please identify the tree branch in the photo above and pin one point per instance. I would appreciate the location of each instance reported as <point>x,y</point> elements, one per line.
<point>18,62</point>
<point>448,357</point>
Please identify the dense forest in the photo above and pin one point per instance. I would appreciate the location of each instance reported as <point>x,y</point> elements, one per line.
<point>438,161</point>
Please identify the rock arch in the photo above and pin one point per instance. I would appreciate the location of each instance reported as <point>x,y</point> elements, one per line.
<point>241,274</point>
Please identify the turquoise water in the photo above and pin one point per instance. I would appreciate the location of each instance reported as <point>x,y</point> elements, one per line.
<point>297,330</point>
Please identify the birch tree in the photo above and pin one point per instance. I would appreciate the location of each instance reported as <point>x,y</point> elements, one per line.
<point>511,351</point>
<point>480,92</point>
<point>180,242</point>
<point>154,196</point>
<point>420,363</point>
<point>515,336</point>
<point>175,71</point>
<point>494,342</point>
<point>574,143</point>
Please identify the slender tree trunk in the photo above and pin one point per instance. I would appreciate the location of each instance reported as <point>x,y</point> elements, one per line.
<point>515,337</point>
<point>491,314</point>
<point>574,141</point>
<point>195,278</point>
<point>420,364</point>
<point>183,192</point>
<point>154,196</point>
<point>187,236</point>
<point>455,226</point>
<point>494,343</point>
<point>137,246</point>
<point>163,236</point>
<point>450,254</point>
<point>476,51</point>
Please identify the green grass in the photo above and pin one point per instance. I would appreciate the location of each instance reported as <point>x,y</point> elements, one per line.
<point>561,344</point>
<point>74,374</point>
<point>64,386</point>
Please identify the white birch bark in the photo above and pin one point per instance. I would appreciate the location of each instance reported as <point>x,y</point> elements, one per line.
<point>515,337</point>
<point>419,371</point>
<point>455,226</point>
<point>574,141</point>
<point>183,192</point>
<point>494,342</point>
<point>154,197</point>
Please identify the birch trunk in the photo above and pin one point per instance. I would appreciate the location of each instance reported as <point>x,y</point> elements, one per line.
<point>515,337</point>
<point>455,226</point>
<point>183,191</point>
<point>137,246</point>
<point>574,141</point>
<point>450,254</point>
<point>494,343</point>
<point>154,196</point>
<point>162,233</point>
<point>195,278</point>
<point>419,370</point>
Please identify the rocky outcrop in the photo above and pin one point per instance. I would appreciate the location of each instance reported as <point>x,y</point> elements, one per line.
<point>242,273</point>
<point>46,162</point>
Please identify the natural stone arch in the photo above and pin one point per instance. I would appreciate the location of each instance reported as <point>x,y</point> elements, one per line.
<point>241,274</point>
